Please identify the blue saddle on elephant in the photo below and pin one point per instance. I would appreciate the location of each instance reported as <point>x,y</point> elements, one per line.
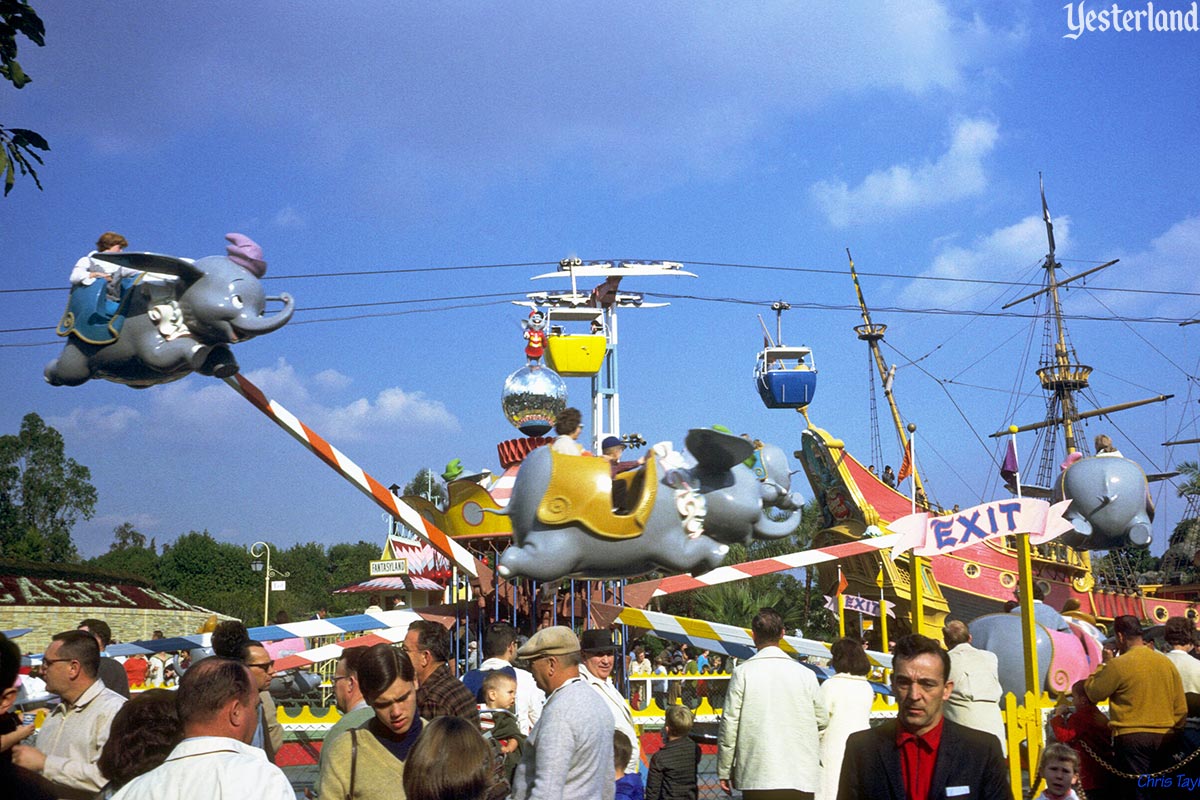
<point>92,316</point>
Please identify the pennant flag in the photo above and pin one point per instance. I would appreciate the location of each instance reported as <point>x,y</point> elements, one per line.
<point>1009,469</point>
<point>906,466</point>
<point>843,584</point>
<point>863,605</point>
<point>1046,216</point>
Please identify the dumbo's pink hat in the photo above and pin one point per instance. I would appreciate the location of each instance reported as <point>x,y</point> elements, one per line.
<point>1071,459</point>
<point>245,252</point>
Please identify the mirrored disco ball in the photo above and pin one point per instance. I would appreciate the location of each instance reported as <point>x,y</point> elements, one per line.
<point>532,397</point>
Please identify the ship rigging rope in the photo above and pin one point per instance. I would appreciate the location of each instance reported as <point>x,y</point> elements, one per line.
<point>1120,319</point>
<point>953,402</point>
<point>950,312</point>
<point>727,265</point>
<point>698,298</point>
<point>954,336</point>
<point>1091,396</point>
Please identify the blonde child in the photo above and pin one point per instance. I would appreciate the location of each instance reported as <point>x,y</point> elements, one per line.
<point>1059,768</point>
<point>673,768</point>
<point>496,718</point>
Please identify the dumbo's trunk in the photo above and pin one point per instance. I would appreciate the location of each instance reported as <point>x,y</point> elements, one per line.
<point>767,528</point>
<point>257,326</point>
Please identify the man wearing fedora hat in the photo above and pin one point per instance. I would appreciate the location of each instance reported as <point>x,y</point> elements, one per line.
<point>569,752</point>
<point>599,658</point>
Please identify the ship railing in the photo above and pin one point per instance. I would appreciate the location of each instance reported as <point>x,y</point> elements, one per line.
<point>1051,553</point>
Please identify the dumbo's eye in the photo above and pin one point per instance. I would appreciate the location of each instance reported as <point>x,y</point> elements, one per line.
<point>236,301</point>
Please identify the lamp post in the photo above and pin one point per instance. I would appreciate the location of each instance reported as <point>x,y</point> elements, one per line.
<point>260,551</point>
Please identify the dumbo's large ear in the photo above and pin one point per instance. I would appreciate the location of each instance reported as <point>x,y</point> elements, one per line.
<point>154,262</point>
<point>717,450</point>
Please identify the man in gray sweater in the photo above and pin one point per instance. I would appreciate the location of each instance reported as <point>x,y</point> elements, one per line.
<point>569,752</point>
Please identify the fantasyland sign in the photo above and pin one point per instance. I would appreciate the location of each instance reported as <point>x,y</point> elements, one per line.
<point>929,535</point>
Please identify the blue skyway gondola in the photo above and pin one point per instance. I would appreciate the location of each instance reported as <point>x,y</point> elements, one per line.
<point>785,376</point>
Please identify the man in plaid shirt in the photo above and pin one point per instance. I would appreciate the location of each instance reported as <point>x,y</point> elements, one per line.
<point>439,693</point>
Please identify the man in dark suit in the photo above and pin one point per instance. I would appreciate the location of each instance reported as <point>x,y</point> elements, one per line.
<point>921,755</point>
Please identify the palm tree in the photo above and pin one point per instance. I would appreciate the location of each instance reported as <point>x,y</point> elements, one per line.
<point>1190,487</point>
<point>1179,559</point>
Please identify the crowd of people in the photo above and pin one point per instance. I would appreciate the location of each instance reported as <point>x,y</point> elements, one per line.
<point>545,718</point>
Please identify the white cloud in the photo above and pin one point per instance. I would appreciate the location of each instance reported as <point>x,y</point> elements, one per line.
<point>1171,262</point>
<point>478,93</point>
<point>332,379</point>
<point>289,218</point>
<point>957,173</point>
<point>998,254</point>
<point>213,405</point>
<point>106,420</point>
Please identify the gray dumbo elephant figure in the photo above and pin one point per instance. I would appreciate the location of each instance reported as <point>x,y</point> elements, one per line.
<point>1110,504</point>
<point>175,327</point>
<point>675,518</point>
<point>1063,656</point>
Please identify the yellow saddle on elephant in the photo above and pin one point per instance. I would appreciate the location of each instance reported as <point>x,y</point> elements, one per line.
<point>580,491</point>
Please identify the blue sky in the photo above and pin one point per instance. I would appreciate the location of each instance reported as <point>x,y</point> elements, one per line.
<point>364,136</point>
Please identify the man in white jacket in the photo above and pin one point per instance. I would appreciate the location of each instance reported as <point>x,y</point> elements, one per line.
<point>975,673</point>
<point>599,658</point>
<point>769,743</point>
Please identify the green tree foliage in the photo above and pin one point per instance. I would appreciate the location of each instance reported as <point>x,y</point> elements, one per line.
<point>1180,559</point>
<point>348,564</point>
<point>1191,483</point>
<point>426,484</point>
<point>42,494</point>
<point>217,575</point>
<point>307,582</point>
<point>18,145</point>
<point>800,602</point>
<point>129,554</point>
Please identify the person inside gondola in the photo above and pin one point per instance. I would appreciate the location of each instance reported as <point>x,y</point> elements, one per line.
<point>1105,447</point>
<point>611,448</point>
<point>88,270</point>
<point>568,425</point>
<point>91,309</point>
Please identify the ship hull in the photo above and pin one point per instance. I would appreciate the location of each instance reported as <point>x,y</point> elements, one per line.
<point>965,584</point>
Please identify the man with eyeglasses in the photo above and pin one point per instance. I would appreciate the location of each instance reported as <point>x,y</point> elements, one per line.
<point>439,693</point>
<point>69,744</point>
<point>269,733</point>
<point>348,696</point>
<point>230,639</point>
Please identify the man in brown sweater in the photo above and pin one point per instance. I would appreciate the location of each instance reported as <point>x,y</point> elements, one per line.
<point>439,693</point>
<point>1145,702</point>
